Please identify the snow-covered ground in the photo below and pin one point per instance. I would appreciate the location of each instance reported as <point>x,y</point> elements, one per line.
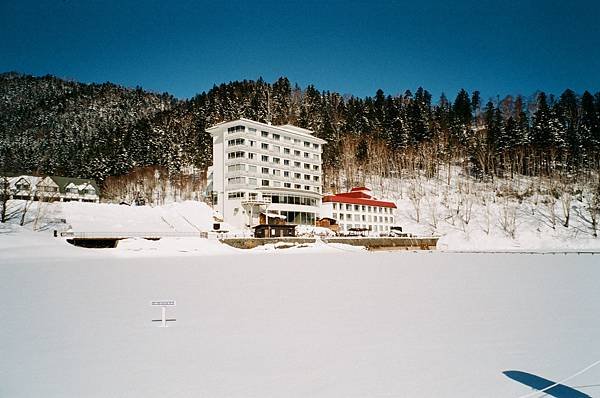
<point>314,321</point>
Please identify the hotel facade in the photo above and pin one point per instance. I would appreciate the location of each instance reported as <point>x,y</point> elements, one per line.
<point>261,169</point>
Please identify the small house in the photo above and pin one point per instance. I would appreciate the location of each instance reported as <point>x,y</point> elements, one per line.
<point>274,230</point>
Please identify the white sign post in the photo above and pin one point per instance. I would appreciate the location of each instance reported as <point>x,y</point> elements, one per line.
<point>163,304</point>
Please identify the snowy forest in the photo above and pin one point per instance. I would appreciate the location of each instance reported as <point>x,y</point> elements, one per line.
<point>59,127</point>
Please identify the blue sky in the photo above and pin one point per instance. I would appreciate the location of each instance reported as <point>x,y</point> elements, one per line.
<point>184,47</point>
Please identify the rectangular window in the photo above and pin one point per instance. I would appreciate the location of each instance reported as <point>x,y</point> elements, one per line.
<point>235,195</point>
<point>355,207</point>
<point>250,129</point>
<point>265,170</point>
<point>286,138</point>
<point>236,129</point>
<point>296,153</point>
<point>265,183</point>
<point>306,166</point>
<point>276,172</point>
<point>236,167</point>
<point>297,186</point>
<point>297,164</point>
<point>348,207</point>
<point>286,151</point>
<point>286,174</point>
<point>264,134</point>
<point>315,167</point>
<point>306,177</point>
<point>250,155</point>
<point>306,144</point>
<point>252,169</point>
<point>235,142</point>
<point>287,185</point>
<point>252,143</point>
<point>235,155</point>
<point>236,180</point>
<point>264,158</point>
<point>276,184</point>
<point>316,178</point>
<point>307,188</point>
<point>252,181</point>
<point>276,160</point>
<point>316,146</point>
<point>297,176</point>
<point>306,155</point>
<point>296,141</point>
<point>286,162</point>
<point>276,148</point>
<point>264,146</point>
<point>276,137</point>
<point>315,156</point>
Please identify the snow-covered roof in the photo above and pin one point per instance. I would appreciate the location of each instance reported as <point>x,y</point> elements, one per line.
<point>288,128</point>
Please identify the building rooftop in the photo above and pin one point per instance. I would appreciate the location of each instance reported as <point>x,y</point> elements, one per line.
<point>288,128</point>
<point>358,196</point>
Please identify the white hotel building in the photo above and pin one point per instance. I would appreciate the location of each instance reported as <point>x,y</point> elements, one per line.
<point>260,168</point>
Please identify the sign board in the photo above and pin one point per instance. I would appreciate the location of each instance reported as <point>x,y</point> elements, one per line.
<point>164,303</point>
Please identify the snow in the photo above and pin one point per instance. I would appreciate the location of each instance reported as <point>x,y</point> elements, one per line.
<point>317,321</point>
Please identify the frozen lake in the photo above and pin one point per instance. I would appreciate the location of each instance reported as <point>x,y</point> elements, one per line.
<point>296,325</point>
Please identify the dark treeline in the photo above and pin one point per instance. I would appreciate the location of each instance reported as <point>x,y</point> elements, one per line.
<point>53,126</point>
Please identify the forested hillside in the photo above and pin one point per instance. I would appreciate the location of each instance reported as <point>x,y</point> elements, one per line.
<point>53,126</point>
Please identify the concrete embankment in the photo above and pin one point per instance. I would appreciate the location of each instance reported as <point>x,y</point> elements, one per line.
<point>403,243</point>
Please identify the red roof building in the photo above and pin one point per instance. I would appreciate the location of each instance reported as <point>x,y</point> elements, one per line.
<point>359,210</point>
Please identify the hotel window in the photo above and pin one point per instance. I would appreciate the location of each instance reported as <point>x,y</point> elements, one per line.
<point>276,160</point>
<point>235,195</point>
<point>252,143</point>
<point>334,206</point>
<point>316,178</point>
<point>369,208</point>
<point>250,129</point>
<point>235,155</point>
<point>362,208</point>
<point>307,188</point>
<point>264,134</point>
<point>251,181</point>
<point>276,184</point>
<point>237,141</point>
<point>252,169</point>
<point>236,129</point>
<point>315,167</point>
<point>276,137</point>
<point>296,153</point>
<point>236,180</point>
<point>250,155</point>
<point>318,189</point>
<point>306,166</point>
<point>276,148</point>
<point>348,207</point>
<point>296,141</point>
<point>286,138</point>
<point>265,170</point>
<point>315,156</point>
<point>276,172</point>
<point>356,217</point>
<point>286,162</point>
<point>297,176</point>
<point>264,146</point>
<point>287,185</point>
<point>316,146</point>
<point>355,207</point>
<point>286,151</point>
<point>306,177</point>
<point>297,164</point>
<point>306,144</point>
<point>286,174</point>
<point>236,167</point>
<point>297,186</point>
<point>264,183</point>
<point>335,216</point>
<point>306,155</point>
<point>264,158</point>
